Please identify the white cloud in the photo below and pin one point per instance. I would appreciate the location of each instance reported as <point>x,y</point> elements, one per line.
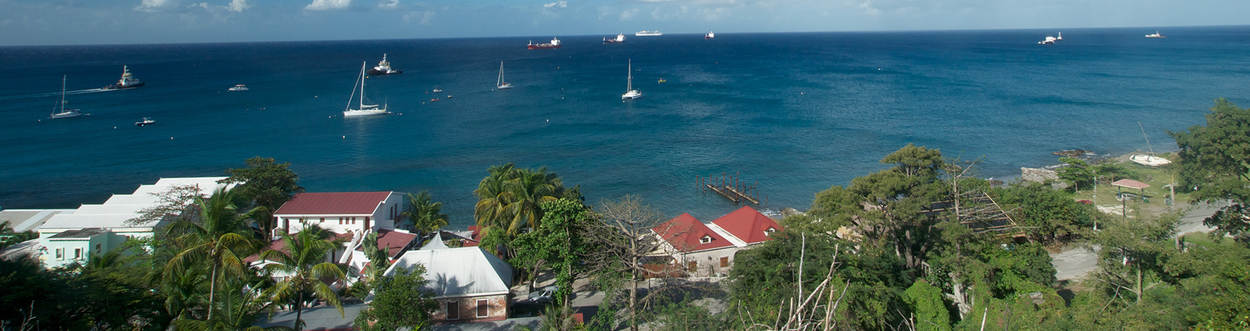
<point>628,14</point>
<point>238,6</point>
<point>153,5</point>
<point>420,17</point>
<point>557,4</point>
<point>328,4</point>
<point>388,4</point>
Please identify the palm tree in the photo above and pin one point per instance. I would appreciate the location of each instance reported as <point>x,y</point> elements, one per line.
<point>424,213</point>
<point>219,238</point>
<point>509,197</point>
<point>304,262</point>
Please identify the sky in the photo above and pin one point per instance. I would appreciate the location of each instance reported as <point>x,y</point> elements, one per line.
<point>72,22</point>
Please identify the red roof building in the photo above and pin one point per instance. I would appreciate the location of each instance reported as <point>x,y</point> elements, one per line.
<point>685,233</point>
<point>340,212</point>
<point>748,224</point>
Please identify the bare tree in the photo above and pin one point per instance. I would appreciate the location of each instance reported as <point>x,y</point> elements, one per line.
<point>177,200</point>
<point>624,241</point>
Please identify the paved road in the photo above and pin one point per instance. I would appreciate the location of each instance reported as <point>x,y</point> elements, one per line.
<point>1074,263</point>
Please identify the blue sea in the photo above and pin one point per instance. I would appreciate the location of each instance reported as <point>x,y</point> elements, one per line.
<point>795,113</point>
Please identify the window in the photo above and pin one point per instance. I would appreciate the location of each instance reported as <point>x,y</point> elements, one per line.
<point>60,253</point>
<point>77,253</point>
<point>482,308</point>
<point>724,262</point>
<point>323,220</point>
<point>692,266</point>
<point>453,313</point>
<point>705,239</point>
<point>769,231</point>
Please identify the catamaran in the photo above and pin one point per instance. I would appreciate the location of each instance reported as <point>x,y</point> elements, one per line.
<point>127,81</point>
<point>363,109</point>
<point>500,83</point>
<point>64,113</point>
<point>630,92</point>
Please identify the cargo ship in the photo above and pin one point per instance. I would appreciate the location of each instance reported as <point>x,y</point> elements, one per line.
<point>620,38</point>
<point>554,43</point>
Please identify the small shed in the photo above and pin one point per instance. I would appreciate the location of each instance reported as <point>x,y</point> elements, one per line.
<point>1130,184</point>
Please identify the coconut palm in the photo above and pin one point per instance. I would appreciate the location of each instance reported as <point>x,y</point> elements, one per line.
<point>509,198</point>
<point>219,239</point>
<point>304,263</point>
<point>528,189</point>
<point>424,213</point>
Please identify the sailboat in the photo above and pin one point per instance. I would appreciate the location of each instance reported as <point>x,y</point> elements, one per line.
<point>500,83</point>
<point>64,113</point>
<point>363,110</point>
<point>630,92</point>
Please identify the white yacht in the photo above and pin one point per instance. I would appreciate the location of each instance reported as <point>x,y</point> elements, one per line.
<point>63,112</point>
<point>362,109</point>
<point>237,88</point>
<point>383,68</point>
<point>145,122</point>
<point>1156,35</point>
<point>500,83</point>
<point>630,92</point>
<point>1050,40</point>
<point>646,33</point>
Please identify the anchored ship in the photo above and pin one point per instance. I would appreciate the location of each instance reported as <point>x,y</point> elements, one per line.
<point>554,43</point>
<point>620,38</point>
<point>646,33</point>
<point>383,68</point>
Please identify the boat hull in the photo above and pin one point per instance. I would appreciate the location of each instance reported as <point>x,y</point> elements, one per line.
<point>116,86</point>
<point>376,72</point>
<point>364,112</point>
<point>66,115</point>
<point>542,46</point>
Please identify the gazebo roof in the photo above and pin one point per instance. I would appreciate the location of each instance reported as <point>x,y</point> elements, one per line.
<point>1129,183</point>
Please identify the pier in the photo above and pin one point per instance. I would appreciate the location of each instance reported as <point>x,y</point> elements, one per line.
<point>730,187</point>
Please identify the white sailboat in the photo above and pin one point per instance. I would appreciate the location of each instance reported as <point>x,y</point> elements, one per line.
<point>500,83</point>
<point>64,113</point>
<point>630,92</point>
<point>363,109</point>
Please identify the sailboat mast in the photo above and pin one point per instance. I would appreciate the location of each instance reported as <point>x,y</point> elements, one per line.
<point>629,76</point>
<point>499,81</point>
<point>63,93</point>
<point>362,83</point>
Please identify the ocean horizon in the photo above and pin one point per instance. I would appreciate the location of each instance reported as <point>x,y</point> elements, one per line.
<point>795,112</point>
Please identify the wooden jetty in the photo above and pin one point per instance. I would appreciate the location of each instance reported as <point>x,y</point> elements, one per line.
<point>730,187</point>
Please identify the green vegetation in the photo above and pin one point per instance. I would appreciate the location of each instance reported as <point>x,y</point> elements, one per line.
<point>1216,160</point>
<point>399,301</point>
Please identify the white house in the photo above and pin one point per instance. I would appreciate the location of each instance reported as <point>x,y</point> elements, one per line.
<point>340,212</point>
<point>468,283</point>
<point>709,248</point>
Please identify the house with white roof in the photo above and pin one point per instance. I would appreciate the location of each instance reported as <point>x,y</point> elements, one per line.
<point>708,248</point>
<point>74,236</point>
<point>468,283</point>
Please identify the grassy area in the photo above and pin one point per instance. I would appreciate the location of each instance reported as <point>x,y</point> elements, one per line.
<point>1155,201</point>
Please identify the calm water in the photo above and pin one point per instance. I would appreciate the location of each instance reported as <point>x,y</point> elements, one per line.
<point>795,112</point>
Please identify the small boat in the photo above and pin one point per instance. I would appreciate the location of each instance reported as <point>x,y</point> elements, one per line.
<point>661,81</point>
<point>630,92</point>
<point>127,81</point>
<point>64,112</point>
<point>437,90</point>
<point>499,83</point>
<point>554,43</point>
<point>1156,35</point>
<point>647,33</point>
<point>237,88</point>
<point>1149,160</point>
<point>709,35</point>
<point>433,99</point>
<point>363,109</point>
<point>620,38</point>
<point>145,122</point>
<point>383,68</point>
